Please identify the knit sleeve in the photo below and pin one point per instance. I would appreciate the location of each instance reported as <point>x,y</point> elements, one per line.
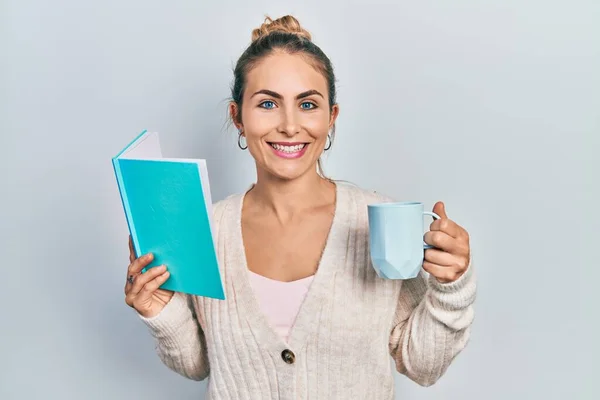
<point>432,325</point>
<point>180,342</point>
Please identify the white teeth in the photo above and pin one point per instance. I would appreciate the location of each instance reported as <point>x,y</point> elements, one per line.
<point>288,149</point>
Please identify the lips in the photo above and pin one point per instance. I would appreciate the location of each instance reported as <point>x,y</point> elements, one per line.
<point>289,149</point>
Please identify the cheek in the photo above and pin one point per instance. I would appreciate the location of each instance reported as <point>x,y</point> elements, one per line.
<point>317,124</point>
<point>321,131</point>
<point>257,123</point>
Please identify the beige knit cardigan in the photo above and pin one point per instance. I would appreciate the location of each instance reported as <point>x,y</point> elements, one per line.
<point>348,326</point>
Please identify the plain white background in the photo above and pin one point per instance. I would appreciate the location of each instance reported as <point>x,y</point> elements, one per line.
<point>493,108</point>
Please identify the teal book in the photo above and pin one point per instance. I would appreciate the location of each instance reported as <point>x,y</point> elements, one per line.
<point>168,207</point>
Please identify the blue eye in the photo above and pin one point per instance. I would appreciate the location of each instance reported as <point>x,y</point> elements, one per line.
<point>267,104</point>
<point>307,105</point>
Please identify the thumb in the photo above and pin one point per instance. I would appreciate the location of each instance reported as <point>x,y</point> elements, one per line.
<point>440,209</point>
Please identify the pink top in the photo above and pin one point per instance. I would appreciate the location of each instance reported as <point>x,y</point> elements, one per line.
<point>280,301</point>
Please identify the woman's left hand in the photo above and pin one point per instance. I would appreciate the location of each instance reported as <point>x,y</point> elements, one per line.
<point>452,254</point>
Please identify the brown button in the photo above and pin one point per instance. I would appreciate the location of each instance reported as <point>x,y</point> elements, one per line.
<point>288,356</point>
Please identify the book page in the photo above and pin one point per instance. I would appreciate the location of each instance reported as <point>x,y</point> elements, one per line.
<point>147,147</point>
<point>207,197</point>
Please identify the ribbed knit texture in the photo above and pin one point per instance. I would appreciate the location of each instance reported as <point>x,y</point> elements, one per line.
<point>348,326</point>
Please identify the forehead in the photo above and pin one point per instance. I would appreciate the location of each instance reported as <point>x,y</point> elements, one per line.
<point>287,74</point>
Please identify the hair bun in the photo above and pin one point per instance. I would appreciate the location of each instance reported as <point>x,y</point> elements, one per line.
<point>286,24</point>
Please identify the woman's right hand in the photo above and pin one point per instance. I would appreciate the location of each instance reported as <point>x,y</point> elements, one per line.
<point>142,289</point>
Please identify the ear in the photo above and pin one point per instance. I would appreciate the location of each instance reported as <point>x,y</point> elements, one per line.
<point>335,111</point>
<point>233,113</point>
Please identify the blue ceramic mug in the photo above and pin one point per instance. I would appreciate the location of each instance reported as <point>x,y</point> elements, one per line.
<point>396,238</point>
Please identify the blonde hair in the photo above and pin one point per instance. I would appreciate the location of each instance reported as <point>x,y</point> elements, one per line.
<point>285,24</point>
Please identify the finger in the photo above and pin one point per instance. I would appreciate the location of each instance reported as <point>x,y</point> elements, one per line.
<point>440,209</point>
<point>134,269</point>
<point>440,240</point>
<point>129,282</point>
<point>139,264</point>
<point>147,291</point>
<point>439,257</point>
<point>441,273</point>
<point>465,235</point>
<point>127,285</point>
<point>447,226</point>
<point>146,277</point>
<point>153,285</point>
<point>132,255</point>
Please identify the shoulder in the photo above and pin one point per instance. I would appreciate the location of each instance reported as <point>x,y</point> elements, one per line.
<point>225,206</point>
<point>362,195</point>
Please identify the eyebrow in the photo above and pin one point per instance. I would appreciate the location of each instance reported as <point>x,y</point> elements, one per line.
<point>278,96</point>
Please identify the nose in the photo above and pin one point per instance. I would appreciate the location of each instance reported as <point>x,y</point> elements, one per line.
<point>289,124</point>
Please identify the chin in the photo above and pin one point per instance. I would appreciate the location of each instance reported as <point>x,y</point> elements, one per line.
<point>287,173</point>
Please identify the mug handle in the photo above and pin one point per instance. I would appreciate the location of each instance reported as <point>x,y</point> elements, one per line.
<point>435,216</point>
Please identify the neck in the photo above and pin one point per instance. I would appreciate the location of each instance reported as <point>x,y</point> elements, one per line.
<point>287,198</point>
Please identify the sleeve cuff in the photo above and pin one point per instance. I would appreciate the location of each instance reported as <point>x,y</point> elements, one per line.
<point>455,295</point>
<point>174,315</point>
<point>456,285</point>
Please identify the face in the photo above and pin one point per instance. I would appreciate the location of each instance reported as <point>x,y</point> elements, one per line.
<point>285,116</point>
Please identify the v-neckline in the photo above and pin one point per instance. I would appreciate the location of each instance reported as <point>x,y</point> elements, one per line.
<point>315,296</point>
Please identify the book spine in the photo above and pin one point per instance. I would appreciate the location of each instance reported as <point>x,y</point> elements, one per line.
<point>126,208</point>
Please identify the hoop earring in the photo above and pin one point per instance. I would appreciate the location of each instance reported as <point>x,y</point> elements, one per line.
<point>328,143</point>
<point>240,136</point>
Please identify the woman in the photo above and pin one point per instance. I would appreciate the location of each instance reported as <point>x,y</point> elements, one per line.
<point>306,315</point>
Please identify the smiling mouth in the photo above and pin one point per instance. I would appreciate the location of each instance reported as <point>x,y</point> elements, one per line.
<point>288,148</point>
